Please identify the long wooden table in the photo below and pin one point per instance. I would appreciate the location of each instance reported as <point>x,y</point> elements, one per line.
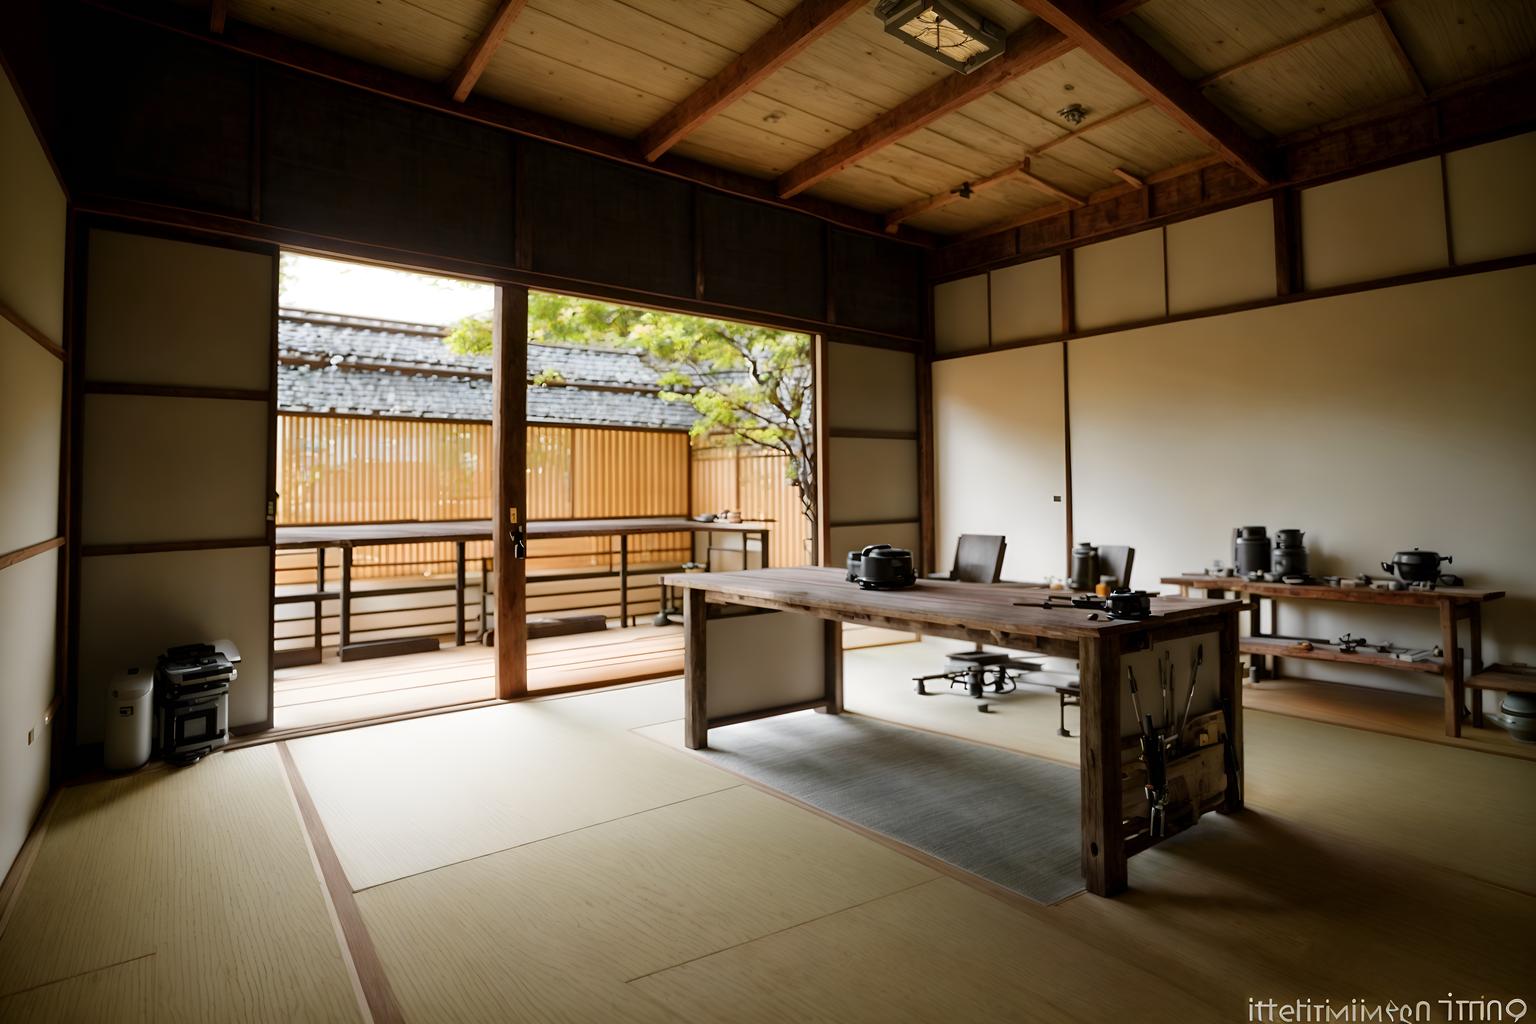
<point>349,536</point>
<point>1011,617</point>
<point>1460,666</point>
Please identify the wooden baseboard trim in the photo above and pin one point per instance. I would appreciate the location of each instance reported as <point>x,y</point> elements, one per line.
<point>10,558</point>
<point>368,970</point>
<point>22,865</point>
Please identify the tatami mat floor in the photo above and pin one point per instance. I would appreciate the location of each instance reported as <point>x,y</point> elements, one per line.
<point>543,861</point>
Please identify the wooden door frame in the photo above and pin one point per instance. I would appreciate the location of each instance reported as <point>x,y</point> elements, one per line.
<point>509,430</point>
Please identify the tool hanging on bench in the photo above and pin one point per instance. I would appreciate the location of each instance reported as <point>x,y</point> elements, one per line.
<point>1194,680</point>
<point>1153,756</point>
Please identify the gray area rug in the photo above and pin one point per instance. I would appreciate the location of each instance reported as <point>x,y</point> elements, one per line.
<point>1010,818</point>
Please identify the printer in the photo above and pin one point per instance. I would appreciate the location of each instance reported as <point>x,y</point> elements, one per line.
<point>192,699</point>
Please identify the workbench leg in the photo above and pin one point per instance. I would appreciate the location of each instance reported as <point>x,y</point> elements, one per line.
<point>1230,689</point>
<point>695,679</point>
<point>832,665</point>
<point>1103,854</point>
<point>1454,680</point>
<point>458,596</point>
<point>1256,629</point>
<point>1475,655</point>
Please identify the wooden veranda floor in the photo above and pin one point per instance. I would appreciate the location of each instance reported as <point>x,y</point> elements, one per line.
<point>334,692</point>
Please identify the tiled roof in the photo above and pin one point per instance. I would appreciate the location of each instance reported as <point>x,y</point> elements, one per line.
<point>355,366</point>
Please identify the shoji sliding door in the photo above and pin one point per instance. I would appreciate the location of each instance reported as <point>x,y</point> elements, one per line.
<point>175,460</point>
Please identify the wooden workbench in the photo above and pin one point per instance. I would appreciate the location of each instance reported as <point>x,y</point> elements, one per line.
<point>1003,616</point>
<point>1453,604</point>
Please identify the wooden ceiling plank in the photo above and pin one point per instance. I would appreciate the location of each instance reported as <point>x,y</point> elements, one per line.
<point>1090,126</point>
<point>1041,185</point>
<point>918,206</point>
<point>1285,47</point>
<point>1133,180</point>
<point>218,13</point>
<point>1397,49</point>
<point>1134,60</point>
<point>473,65</point>
<point>1030,47</point>
<point>800,28</point>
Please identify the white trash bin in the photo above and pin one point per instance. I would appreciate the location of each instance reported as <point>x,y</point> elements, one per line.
<point>130,719</point>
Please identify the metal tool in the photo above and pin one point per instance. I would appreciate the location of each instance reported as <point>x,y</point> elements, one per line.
<point>1194,680</point>
<point>1348,643</point>
<point>1152,755</point>
<point>1165,682</point>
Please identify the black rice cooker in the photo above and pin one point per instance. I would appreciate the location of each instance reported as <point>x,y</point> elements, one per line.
<point>1128,604</point>
<point>1416,566</point>
<point>881,567</point>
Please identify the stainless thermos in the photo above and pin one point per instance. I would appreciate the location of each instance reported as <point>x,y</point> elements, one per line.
<point>1085,567</point>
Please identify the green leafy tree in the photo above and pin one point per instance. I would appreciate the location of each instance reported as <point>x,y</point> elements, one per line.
<point>749,385</point>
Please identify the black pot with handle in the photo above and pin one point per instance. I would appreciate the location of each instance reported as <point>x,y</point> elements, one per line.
<point>1416,566</point>
<point>882,567</point>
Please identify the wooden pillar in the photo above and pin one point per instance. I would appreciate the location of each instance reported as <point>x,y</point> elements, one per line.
<point>695,678</point>
<point>822,400</point>
<point>509,371</point>
<point>926,487</point>
<point>1103,854</point>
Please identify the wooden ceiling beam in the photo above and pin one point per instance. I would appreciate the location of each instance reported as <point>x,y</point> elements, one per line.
<point>797,30</point>
<point>965,190</point>
<point>1035,44</point>
<point>474,63</point>
<point>1396,44</point>
<point>1132,59</point>
<point>218,13</point>
<point>1111,10</point>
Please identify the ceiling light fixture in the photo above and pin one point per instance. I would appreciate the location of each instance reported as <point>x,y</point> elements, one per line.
<point>949,32</point>
<point>1073,115</point>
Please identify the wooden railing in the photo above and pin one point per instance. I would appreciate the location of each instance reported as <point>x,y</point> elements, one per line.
<point>753,482</point>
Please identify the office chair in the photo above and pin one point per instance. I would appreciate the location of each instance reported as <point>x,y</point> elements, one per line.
<point>1114,560</point>
<point>978,559</point>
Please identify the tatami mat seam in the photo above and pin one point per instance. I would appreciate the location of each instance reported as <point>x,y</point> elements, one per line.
<point>542,839</point>
<point>786,928</point>
<point>78,974</point>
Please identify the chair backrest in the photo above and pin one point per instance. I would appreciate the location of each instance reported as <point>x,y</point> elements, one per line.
<point>979,558</point>
<point>1116,560</point>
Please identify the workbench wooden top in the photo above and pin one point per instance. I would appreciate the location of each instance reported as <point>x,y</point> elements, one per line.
<point>978,607</point>
<point>364,534</point>
<point>1323,592</point>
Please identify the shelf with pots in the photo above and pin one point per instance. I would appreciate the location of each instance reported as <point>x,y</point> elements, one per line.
<point>1459,664</point>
